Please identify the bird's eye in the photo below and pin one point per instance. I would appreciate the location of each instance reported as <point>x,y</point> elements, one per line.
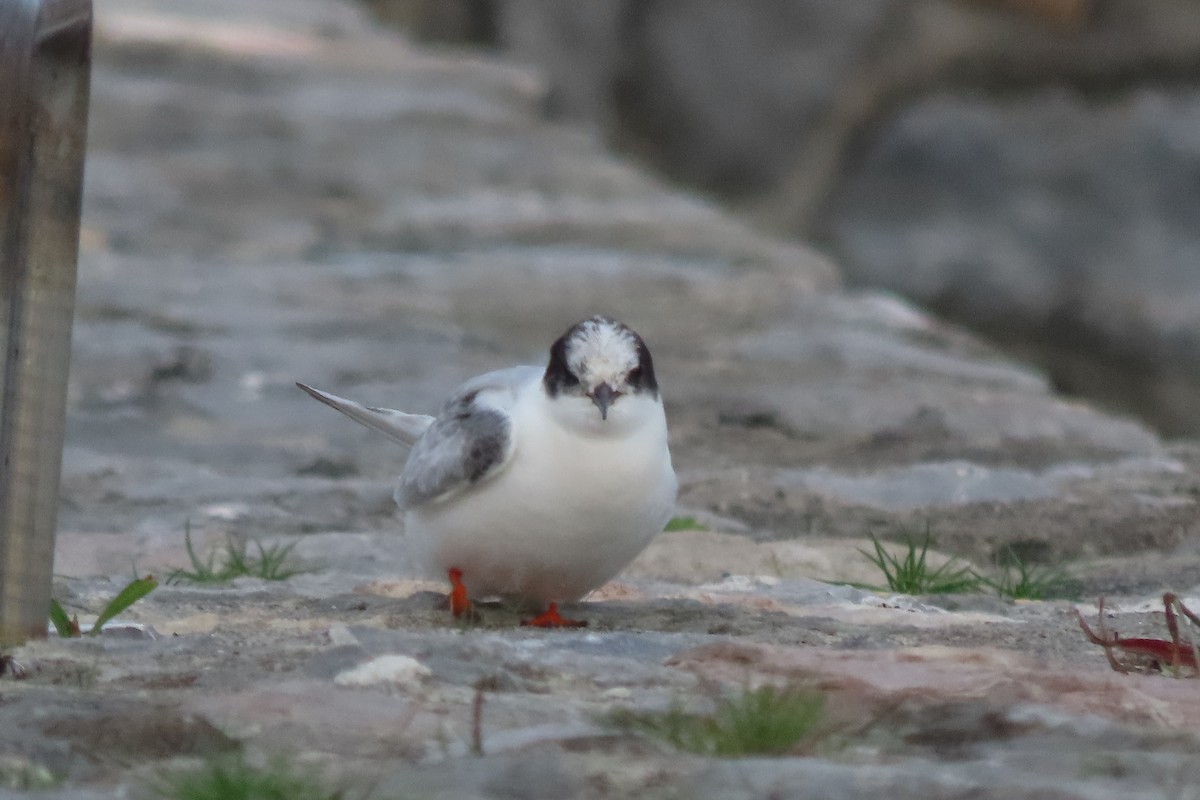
<point>569,379</point>
<point>634,376</point>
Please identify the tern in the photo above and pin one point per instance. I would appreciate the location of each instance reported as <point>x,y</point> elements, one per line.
<point>536,484</point>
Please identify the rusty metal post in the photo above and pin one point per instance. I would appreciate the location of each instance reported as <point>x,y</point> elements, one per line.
<point>45,64</point>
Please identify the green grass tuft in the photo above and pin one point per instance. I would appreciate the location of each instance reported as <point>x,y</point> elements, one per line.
<point>23,775</point>
<point>763,721</point>
<point>1022,581</point>
<point>912,574</point>
<point>1012,578</point>
<point>68,627</point>
<point>232,778</point>
<point>234,562</point>
<point>684,524</point>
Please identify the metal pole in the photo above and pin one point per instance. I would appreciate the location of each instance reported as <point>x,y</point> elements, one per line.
<point>45,62</point>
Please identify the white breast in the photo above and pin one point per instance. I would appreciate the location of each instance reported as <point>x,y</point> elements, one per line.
<point>566,515</point>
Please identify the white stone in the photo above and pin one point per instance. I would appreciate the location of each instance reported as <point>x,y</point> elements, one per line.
<point>340,635</point>
<point>392,669</point>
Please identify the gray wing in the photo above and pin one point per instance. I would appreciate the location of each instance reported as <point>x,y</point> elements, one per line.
<point>470,440</point>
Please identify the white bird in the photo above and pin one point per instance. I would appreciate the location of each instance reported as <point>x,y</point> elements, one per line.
<point>536,484</point>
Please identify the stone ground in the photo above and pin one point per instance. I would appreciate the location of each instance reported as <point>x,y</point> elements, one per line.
<point>280,191</point>
<point>1026,167</point>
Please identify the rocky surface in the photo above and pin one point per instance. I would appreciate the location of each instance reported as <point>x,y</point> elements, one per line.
<point>1089,241</point>
<point>280,191</point>
<point>1025,167</point>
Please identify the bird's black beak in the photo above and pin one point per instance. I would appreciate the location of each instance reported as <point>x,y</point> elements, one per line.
<point>602,396</point>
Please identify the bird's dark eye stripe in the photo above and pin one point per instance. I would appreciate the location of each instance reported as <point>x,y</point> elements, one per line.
<point>558,375</point>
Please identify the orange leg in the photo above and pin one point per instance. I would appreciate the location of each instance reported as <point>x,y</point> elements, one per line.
<point>550,619</point>
<point>460,604</point>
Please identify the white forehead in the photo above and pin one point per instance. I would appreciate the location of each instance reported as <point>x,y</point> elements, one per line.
<point>602,350</point>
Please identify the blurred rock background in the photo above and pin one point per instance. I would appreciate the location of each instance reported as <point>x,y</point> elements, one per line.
<point>282,190</point>
<point>1028,168</point>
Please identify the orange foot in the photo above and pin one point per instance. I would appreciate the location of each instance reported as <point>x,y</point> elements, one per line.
<point>460,605</point>
<point>550,619</point>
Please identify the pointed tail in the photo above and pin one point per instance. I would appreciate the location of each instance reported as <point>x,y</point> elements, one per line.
<point>396,425</point>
